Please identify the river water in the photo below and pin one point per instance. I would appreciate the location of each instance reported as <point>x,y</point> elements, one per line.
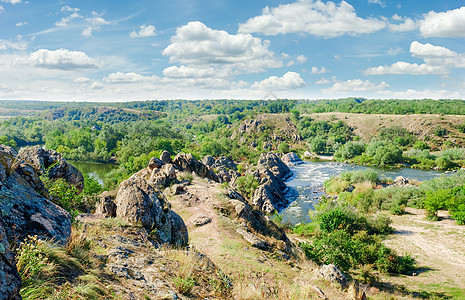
<point>306,184</point>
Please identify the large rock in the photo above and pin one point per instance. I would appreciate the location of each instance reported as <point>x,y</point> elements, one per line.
<point>271,173</point>
<point>52,161</point>
<point>106,206</point>
<point>24,208</point>
<point>224,162</point>
<point>332,274</point>
<point>291,159</point>
<point>187,162</point>
<point>139,202</point>
<point>208,160</point>
<point>9,278</point>
<point>164,176</point>
<point>165,157</point>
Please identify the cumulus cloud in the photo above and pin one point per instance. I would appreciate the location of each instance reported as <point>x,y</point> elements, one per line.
<point>65,20</point>
<point>67,8</point>
<point>315,70</point>
<point>19,24</point>
<point>130,77</point>
<point>62,59</point>
<point>379,2</point>
<point>407,24</point>
<point>444,24</point>
<point>313,17</point>
<point>322,81</point>
<point>82,80</point>
<point>189,72</point>
<point>144,31</point>
<point>355,85</point>
<point>198,45</point>
<point>1,9</point>
<point>96,85</point>
<point>437,60</point>
<point>12,1</point>
<point>19,44</point>
<point>290,80</point>
<point>301,59</point>
<point>94,23</point>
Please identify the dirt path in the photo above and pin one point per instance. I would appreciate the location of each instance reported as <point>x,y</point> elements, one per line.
<point>438,247</point>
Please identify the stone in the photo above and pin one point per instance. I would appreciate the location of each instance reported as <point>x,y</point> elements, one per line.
<point>401,181</point>
<point>10,281</point>
<point>333,274</point>
<point>188,163</point>
<point>291,159</point>
<point>52,161</point>
<point>201,220</point>
<point>253,239</point>
<point>208,160</point>
<point>141,203</point>
<point>165,157</point>
<point>224,162</point>
<point>355,292</point>
<point>24,206</point>
<point>155,163</point>
<point>164,176</point>
<point>106,206</point>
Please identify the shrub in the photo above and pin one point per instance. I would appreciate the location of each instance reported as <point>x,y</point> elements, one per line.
<point>384,152</point>
<point>350,150</point>
<point>283,147</point>
<point>305,229</point>
<point>66,196</point>
<point>369,175</point>
<point>184,285</point>
<point>91,185</point>
<point>247,184</point>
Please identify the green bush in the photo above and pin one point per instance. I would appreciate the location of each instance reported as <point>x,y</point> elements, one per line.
<point>91,185</point>
<point>384,152</point>
<point>184,285</point>
<point>305,229</point>
<point>369,175</point>
<point>66,196</point>
<point>350,150</point>
<point>247,185</point>
<point>283,147</point>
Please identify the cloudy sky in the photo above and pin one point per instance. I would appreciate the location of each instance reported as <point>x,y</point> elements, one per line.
<point>209,49</point>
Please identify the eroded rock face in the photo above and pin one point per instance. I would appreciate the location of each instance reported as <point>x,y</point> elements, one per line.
<point>9,278</point>
<point>333,274</point>
<point>187,162</point>
<point>291,159</point>
<point>271,173</point>
<point>106,206</point>
<point>165,157</point>
<point>139,202</point>
<point>57,167</point>
<point>24,207</point>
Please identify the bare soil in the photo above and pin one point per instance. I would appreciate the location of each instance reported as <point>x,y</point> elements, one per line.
<point>439,249</point>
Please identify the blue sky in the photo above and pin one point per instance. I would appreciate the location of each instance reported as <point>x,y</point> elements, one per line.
<point>211,49</point>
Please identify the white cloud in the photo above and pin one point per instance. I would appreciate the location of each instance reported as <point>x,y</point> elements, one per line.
<point>61,59</point>
<point>355,85</point>
<point>1,9</point>
<point>21,24</point>
<point>290,63</point>
<point>290,80</point>
<point>65,20</point>
<point>94,24</point>
<point>315,70</point>
<point>407,25</point>
<point>395,51</point>
<point>438,60</point>
<point>67,8</point>
<point>323,81</point>
<point>12,1</point>
<point>444,24</point>
<point>144,31</point>
<point>19,44</point>
<point>130,77</point>
<point>189,72</point>
<point>314,17</point>
<point>381,3</point>
<point>82,80</point>
<point>197,45</point>
<point>301,59</point>
<point>96,85</point>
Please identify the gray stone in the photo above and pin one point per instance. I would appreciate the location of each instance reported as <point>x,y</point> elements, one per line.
<point>254,240</point>
<point>201,220</point>
<point>106,206</point>
<point>291,159</point>
<point>333,274</point>
<point>9,278</point>
<point>165,157</point>
<point>208,160</point>
<point>155,163</point>
<point>188,163</point>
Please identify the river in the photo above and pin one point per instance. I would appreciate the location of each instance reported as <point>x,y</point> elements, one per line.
<point>306,184</point>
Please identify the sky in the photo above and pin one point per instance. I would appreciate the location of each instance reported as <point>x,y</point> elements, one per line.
<point>231,49</point>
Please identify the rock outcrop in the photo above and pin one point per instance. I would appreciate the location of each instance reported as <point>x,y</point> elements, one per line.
<point>24,207</point>
<point>165,157</point>
<point>271,173</point>
<point>332,274</point>
<point>291,159</point>
<point>42,159</point>
<point>141,203</point>
<point>9,278</point>
<point>188,163</point>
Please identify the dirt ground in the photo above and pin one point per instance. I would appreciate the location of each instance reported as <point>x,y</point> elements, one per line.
<point>439,249</point>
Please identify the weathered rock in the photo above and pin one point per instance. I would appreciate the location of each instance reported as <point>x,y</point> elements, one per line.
<point>272,162</point>
<point>253,239</point>
<point>155,163</point>
<point>177,189</point>
<point>201,220</point>
<point>164,176</point>
<point>9,278</point>
<point>52,161</point>
<point>165,157</point>
<point>139,202</point>
<point>24,209</point>
<point>401,181</point>
<point>208,160</point>
<point>291,159</point>
<point>187,162</point>
<point>224,162</point>
<point>333,274</point>
<point>355,292</point>
<point>107,206</point>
